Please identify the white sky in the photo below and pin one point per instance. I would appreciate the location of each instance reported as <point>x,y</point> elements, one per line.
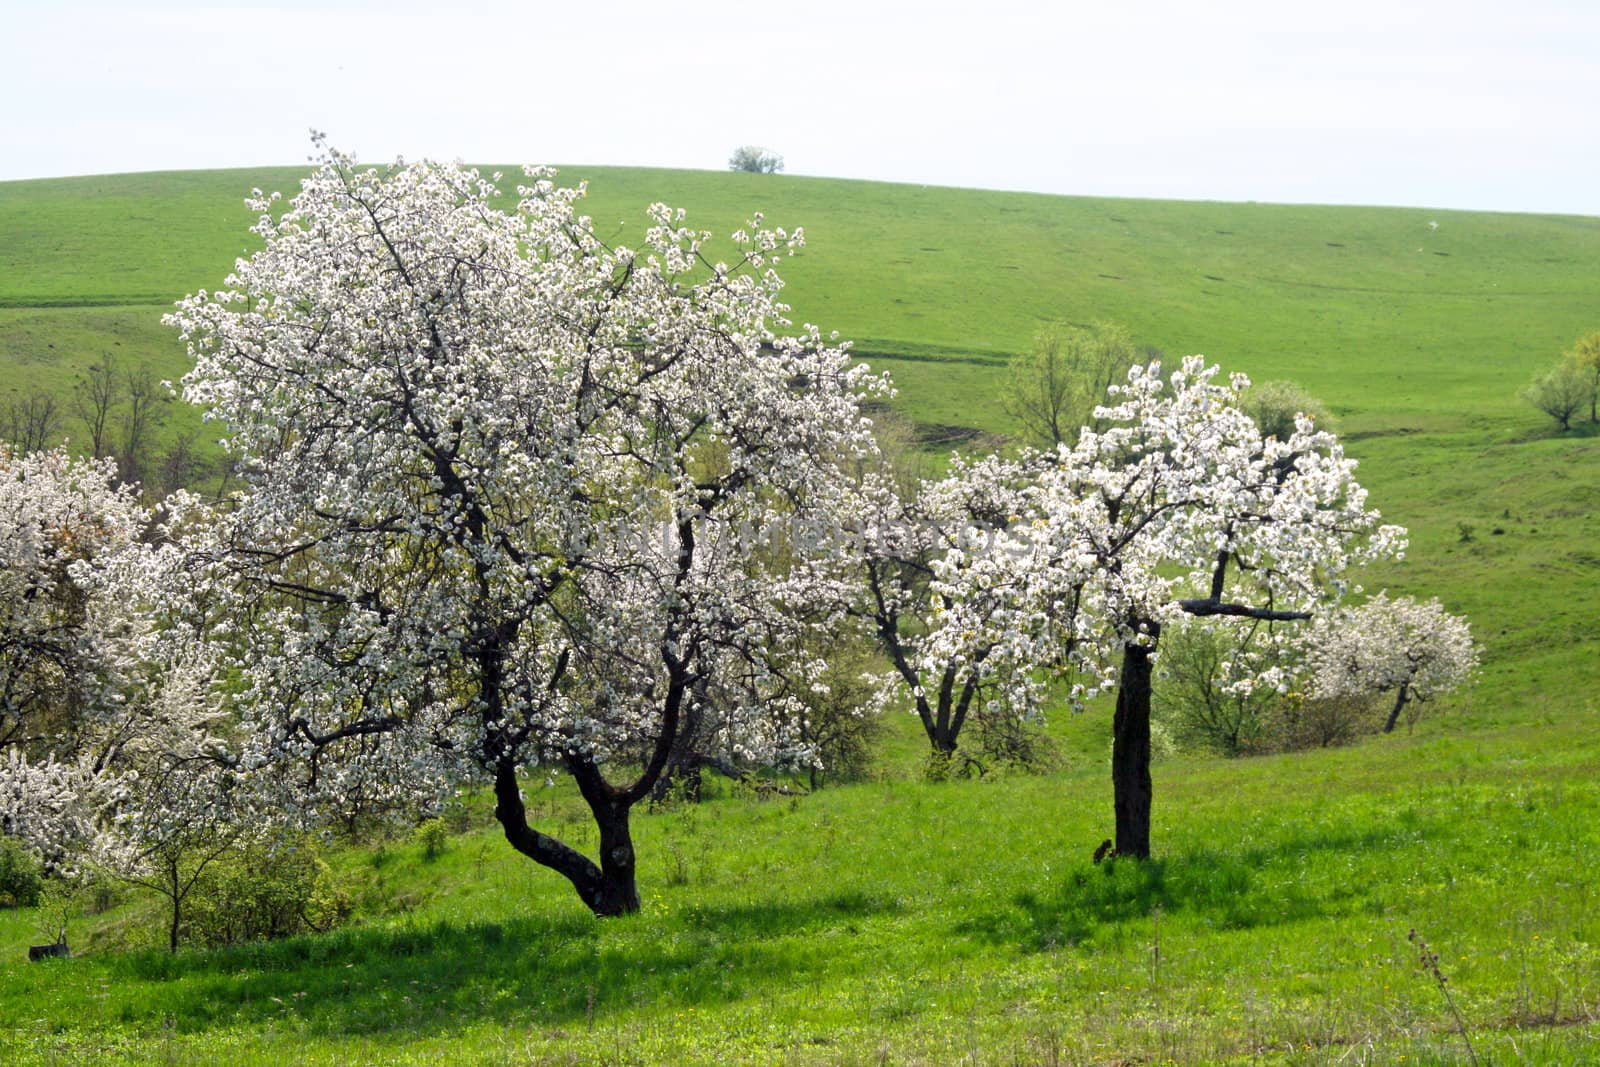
<point>1438,103</point>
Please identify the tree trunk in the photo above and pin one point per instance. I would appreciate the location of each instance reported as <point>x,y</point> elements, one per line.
<point>618,892</point>
<point>176,894</point>
<point>1399,702</point>
<point>1130,750</point>
<point>609,888</point>
<point>944,721</point>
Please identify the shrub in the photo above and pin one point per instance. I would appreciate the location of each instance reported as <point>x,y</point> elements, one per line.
<point>999,742</point>
<point>1323,722</point>
<point>994,744</point>
<point>1196,704</point>
<point>1560,392</point>
<point>58,905</point>
<point>434,836</point>
<point>1274,406</point>
<point>266,891</point>
<point>842,723</point>
<point>1053,390</point>
<point>1584,358</point>
<point>21,875</point>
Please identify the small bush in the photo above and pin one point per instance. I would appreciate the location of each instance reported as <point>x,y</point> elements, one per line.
<point>1323,722</point>
<point>1275,405</point>
<point>1053,390</point>
<point>264,892</point>
<point>21,875</point>
<point>101,894</point>
<point>842,725</point>
<point>434,836</point>
<point>1561,392</point>
<point>460,817</point>
<point>58,905</point>
<point>1002,743</point>
<point>995,745</point>
<point>1193,701</point>
<point>947,766</point>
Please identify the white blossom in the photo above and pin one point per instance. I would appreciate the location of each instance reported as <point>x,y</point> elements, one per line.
<point>1415,650</point>
<point>89,694</point>
<point>1179,507</point>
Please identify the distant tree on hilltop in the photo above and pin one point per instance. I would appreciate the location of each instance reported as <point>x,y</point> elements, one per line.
<point>755,160</point>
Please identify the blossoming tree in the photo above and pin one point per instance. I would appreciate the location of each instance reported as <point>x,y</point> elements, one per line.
<point>88,699</point>
<point>1179,508</point>
<point>516,499</point>
<point>1413,650</point>
<point>897,531</point>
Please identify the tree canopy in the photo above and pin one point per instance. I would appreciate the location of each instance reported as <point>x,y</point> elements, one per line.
<point>1179,508</point>
<point>515,498</point>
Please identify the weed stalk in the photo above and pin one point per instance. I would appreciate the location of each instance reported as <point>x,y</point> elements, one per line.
<point>1428,960</point>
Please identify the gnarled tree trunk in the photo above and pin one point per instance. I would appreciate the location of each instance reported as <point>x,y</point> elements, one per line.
<point>608,888</point>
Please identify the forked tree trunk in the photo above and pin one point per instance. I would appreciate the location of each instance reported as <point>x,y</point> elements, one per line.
<point>943,712</point>
<point>1130,750</point>
<point>609,888</point>
<point>944,719</point>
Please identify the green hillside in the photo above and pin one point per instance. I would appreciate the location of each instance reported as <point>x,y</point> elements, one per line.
<point>1391,321</point>
<point>1417,337</point>
<point>907,922</point>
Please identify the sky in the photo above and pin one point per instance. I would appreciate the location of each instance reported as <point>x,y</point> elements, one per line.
<point>1458,104</point>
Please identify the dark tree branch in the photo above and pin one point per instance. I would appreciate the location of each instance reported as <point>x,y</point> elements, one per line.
<point>1208,607</point>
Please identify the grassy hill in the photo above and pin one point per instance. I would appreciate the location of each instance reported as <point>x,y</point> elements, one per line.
<point>902,921</point>
<point>1393,322</point>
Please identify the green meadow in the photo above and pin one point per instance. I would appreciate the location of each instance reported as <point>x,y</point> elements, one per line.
<point>901,921</point>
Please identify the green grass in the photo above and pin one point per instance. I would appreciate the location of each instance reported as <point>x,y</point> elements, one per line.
<point>1395,325</point>
<point>924,923</point>
<point>1328,295</point>
<point>904,922</point>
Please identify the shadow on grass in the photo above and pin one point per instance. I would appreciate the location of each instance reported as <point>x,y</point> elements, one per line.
<point>1261,885</point>
<point>540,971</point>
<point>1581,429</point>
